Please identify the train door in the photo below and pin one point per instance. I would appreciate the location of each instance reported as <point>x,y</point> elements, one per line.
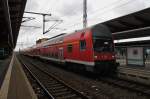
<point>60,55</point>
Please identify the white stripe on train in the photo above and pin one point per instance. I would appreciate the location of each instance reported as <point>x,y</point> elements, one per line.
<point>68,60</point>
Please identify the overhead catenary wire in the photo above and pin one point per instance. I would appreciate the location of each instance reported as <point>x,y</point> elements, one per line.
<point>112,8</point>
<point>50,28</point>
<point>97,12</point>
<point>90,13</point>
<point>104,12</point>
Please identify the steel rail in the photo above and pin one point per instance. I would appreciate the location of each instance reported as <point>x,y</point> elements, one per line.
<point>70,89</point>
<point>129,85</point>
<point>44,88</point>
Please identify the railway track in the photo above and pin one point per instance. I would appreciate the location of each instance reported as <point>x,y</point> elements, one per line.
<point>54,87</point>
<point>129,85</point>
<point>134,74</point>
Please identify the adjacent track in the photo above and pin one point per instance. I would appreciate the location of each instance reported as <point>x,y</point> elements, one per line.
<point>54,87</point>
<point>129,85</point>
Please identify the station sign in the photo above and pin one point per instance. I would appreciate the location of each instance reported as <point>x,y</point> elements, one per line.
<point>135,56</point>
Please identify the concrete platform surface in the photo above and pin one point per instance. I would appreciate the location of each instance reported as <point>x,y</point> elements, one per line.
<point>4,63</point>
<point>16,84</point>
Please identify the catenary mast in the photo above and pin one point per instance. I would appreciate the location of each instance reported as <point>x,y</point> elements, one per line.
<point>84,13</point>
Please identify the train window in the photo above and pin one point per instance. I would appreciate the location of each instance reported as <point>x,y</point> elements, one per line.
<point>82,45</point>
<point>103,45</point>
<point>69,48</point>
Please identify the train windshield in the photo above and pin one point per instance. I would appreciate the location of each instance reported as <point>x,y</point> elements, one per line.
<point>102,45</point>
<point>102,38</point>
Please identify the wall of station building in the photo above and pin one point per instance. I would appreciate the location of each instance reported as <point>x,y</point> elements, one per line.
<point>4,52</point>
<point>133,56</point>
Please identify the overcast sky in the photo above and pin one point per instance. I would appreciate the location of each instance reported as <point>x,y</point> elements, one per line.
<point>70,11</point>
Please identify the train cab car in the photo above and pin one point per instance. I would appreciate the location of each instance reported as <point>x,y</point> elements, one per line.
<point>103,49</point>
<point>93,48</point>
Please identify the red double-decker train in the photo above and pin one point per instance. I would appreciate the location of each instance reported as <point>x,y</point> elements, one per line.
<point>91,49</point>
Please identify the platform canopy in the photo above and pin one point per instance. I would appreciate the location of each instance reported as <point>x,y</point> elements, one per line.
<point>144,43</point>
<point>130,26</point>
<point>11,13</point>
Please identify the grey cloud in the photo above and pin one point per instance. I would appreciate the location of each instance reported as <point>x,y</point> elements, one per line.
<point>130,6</point>
<point>71,8</point>
<point>32,5</point>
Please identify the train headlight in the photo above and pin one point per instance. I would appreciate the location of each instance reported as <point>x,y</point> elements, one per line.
<point>95,57</point>
<point>113,56</point>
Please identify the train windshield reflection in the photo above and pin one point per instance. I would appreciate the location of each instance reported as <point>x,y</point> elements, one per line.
<point>102,45</point>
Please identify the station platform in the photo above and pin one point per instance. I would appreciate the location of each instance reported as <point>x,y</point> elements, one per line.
<point>4,63</point>
<point>139,74</point>
<point>15,84</point>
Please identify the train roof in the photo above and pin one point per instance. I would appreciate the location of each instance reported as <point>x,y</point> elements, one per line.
<point>89,28</point>
<point>59,35</point>
<point>52,40</point>
<point>59,38</point>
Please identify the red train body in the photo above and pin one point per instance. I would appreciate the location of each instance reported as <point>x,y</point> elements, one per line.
<point>92,49</point>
